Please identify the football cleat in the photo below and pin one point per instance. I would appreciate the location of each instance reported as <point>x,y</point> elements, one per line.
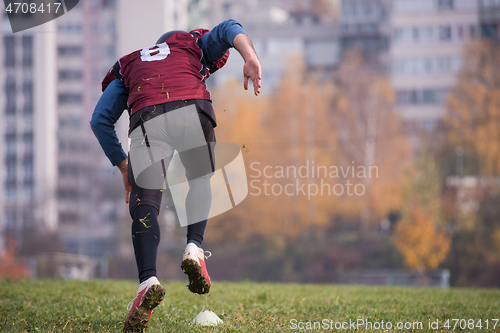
<point>193,265</point>
<point>150,293</point>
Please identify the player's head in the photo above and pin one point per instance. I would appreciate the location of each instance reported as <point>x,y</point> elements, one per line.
<point>167,35</point>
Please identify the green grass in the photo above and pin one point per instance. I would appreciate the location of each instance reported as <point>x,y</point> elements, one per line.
<point>100,306</point>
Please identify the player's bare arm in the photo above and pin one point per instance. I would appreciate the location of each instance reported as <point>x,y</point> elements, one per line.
<point>252,69</point>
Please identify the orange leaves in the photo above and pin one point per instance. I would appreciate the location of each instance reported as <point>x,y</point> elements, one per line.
<point>473,105</point>
<point>422,245</point>
<point>333,121</point>
<point>11,266</point>
<point>418,236</point>
<point>369,133</point>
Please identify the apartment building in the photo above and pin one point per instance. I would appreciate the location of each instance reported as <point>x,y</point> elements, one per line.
<point>426,52</point>
<point>28,175</point>
<point>365,25</point>
<point>278,31</point>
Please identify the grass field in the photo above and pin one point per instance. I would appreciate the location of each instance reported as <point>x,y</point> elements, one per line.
<point>100,306</point>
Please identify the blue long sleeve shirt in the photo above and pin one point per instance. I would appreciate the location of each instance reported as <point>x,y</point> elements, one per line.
<point>113,101</point>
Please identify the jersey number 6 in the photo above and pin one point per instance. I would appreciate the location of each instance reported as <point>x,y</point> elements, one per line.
<point>157,52</point>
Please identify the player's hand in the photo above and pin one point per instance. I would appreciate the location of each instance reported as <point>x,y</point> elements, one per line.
<point>123,166</point>
<point>253,71</point>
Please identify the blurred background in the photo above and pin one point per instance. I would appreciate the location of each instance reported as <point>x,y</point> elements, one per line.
<point>409,89</point>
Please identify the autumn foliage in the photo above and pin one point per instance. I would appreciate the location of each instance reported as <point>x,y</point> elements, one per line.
<point>344,120</point>
<point>11,266</point>
<point>422,245</point>
<point>473,106</point>
<point>370,133</point>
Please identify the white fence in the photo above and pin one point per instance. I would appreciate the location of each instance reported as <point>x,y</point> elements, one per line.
<point>67,266</point>
<point>399,277</point>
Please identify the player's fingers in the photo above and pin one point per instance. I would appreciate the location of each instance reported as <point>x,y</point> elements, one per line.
<point>256,86</point>
<point>257,82</point>
<point>245,83</point>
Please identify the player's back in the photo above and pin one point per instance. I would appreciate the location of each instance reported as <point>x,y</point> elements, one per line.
<point>165,72</point>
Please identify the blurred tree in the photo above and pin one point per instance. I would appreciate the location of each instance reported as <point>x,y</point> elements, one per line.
<point>420,242</point>
<point>12,266</point>
<point>418,236</point>
<point>471,122</point>
<point>291,129</point>
<point>370,134</point>
<point>475,253</point>
<point>300,125</point>
<point>473,106</point>
<point>239,118</point>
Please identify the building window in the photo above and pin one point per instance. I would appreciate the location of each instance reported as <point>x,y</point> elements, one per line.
<point>460,32</point>
<point>398,34</point>
<point>69,51</point>
<point>108,3</point>
<point>428,65</point>
<point>28,98</point>
<point>442,65</point>
<point>10,194</point>
<point>428,96</point>
<point>491,3</point>
<point>10,84</point>
<point>28,143</point>
<point>27,43</point>
<point>445,4</point>
<point>490,31</point>
<point>11,170</point>
<point>69,28</point>
<point>70,75</point>
<point>416,34</point>
<point>28,193</point>
<point>72,122</point>
<point>445,33</point>
<point>70,98</point>
<point>11,124</point>
<point>28,122</point>
<point>426,34</point>
<point>10,51</point>
<point>10,217</point>
<point>68,194</point>
<point>28,77</point>
<point>472,31</point>
<point>11,102</point>
<point>425,96</point>
<point>11,145</point>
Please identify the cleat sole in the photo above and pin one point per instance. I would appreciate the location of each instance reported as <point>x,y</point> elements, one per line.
<point>197,283</point>
<point>139,319</point>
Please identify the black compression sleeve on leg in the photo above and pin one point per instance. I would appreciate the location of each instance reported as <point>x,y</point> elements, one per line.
<point>145,237</point>
<point>195,232</point>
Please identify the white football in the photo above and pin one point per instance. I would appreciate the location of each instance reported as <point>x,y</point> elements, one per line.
<point>207,318</point>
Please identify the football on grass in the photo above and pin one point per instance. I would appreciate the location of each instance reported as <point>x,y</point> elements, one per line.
<point>207,318</point>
